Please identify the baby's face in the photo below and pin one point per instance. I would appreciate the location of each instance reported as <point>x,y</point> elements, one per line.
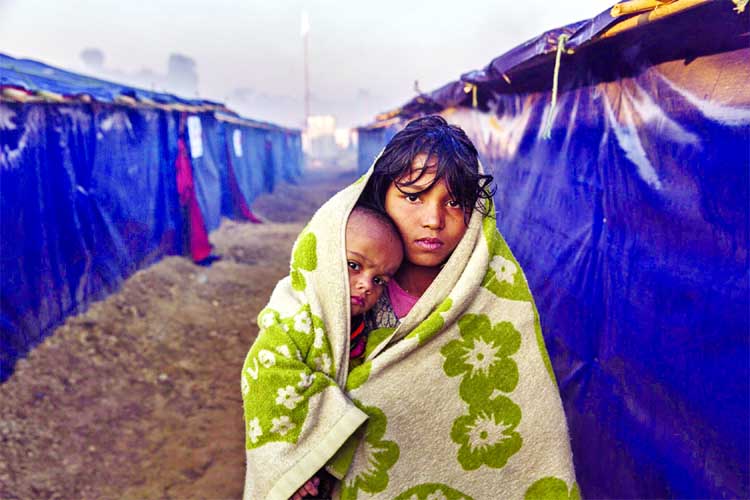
<point>373,256</point>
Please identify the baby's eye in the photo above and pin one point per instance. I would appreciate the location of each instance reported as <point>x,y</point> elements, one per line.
<point>454,204</point>
<point>379,281</point>
<point>353,265</point>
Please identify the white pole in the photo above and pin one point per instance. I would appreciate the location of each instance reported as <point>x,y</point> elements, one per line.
<point>305,30</point>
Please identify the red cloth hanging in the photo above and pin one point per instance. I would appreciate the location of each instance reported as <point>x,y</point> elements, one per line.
<point>200,247</point>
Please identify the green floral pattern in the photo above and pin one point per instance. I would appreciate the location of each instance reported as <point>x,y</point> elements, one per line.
<point>378,454</point>
<point>289,363</point>
<point>487,435</point>
<point>376,337</point>
<point>552,488</point>
<point>304,257</point>
<point>358,375</point>
<point>481,356</point>
<point>504,277</point>
<point>432,491</point>
<point>434,322</point>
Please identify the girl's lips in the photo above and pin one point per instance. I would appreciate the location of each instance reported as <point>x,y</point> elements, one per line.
<point>358,301</point>
<point>429,244</point>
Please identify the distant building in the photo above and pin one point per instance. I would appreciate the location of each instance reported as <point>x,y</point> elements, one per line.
<point>320,137</point>
<point>346,138</point>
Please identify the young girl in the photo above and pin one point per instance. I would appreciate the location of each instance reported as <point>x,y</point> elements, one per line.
<point>456,397</point>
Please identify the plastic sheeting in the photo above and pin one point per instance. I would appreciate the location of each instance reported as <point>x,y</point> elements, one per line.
<point>238,186</point>
<point>293,154</point>
<point>280,162</point>
<point>35,76</point>
<point>370,141</point>
<point>258,167</point>
<point>90,193</point>
<point>631,223</point>
<point>208,160</point>
<point>88,197</point>
<point>632,226</point>
<point>251,165</point>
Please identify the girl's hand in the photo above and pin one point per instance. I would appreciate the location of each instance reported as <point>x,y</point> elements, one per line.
<point>310,488</point>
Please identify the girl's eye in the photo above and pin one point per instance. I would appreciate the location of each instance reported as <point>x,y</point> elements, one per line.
<point>454,204</point>
<point>412,198</point>
<point>353,265</point>
<point>379,281</point>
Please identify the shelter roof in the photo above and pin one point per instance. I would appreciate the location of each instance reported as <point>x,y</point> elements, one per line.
<point>672,29</point>
<point>26,80</point>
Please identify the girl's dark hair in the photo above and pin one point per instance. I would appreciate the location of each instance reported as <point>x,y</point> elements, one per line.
<point>449,151</point>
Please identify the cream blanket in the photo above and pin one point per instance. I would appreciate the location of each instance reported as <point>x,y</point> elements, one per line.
<point>459,401</point>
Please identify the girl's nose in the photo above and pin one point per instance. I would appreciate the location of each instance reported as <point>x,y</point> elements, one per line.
<point>433,217</point>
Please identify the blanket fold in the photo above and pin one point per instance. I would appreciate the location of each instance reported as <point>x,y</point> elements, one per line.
<point>458,401</point>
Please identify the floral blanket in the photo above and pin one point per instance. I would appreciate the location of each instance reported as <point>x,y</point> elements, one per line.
<point>459,401</point>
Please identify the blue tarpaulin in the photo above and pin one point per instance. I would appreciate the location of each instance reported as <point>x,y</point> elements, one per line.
<point>208,160</point>
<point>631,223</point>
<point>370,141</point>
<point>34,76</point>
<point>259,167</point>
<point>262,154</point>
<point>88,197</point>
<point>89,188</point>
<point>278,147</point>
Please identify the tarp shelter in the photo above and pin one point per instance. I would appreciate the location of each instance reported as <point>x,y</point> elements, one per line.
<point>98,180</point>
<point>251,164</point>
<point>627,206</point>
<point>371,139</point>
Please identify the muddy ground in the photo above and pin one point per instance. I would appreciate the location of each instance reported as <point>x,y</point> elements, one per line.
<point>139,397</point>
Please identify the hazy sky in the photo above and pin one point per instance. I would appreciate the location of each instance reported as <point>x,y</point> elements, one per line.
<point>364,55</point>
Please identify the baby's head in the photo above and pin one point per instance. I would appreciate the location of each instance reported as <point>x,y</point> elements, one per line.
<point>373,252</point>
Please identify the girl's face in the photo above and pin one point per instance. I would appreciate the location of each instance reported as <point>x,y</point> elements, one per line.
<point>431,223</point>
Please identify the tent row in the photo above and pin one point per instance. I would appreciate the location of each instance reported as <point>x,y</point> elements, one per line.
<point>98,180</point>
<point>624,196</point>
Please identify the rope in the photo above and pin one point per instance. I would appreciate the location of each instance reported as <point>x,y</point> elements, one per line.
<point>470,87</point>
<point>547,131</point>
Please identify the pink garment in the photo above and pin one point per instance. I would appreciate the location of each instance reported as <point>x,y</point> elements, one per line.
<point>200,247</point>
<point>401,301</point>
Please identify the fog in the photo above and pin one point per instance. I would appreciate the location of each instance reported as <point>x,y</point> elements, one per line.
<point>364,57</point>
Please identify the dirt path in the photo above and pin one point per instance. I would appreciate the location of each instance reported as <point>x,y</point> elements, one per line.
<point>139,397</point>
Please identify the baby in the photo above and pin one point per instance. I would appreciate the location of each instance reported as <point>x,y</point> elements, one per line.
<point>374,252</point>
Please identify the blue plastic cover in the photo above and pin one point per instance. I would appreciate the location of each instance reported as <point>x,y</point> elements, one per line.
<point>88,192</point>
<point>228,164</point>
<point>271,174</point>
<point>245,150</point>
<point>252,178</point>
<point>632,225</point>
<point>35,76</point>
<point>87,196</point>
<point>293,153</point>
<point>370,141</point>
<point>283,171</point>
<point>208,157</point>
<point>252,152</point>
